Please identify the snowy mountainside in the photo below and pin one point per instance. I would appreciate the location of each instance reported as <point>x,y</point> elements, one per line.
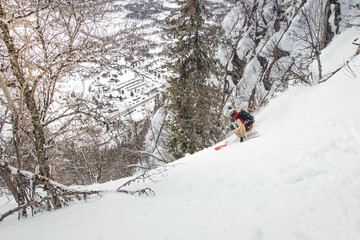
<point>277,44</point>
<point>299,180</point>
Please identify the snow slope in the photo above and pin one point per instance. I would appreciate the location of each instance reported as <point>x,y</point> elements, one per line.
<point>299,181</point>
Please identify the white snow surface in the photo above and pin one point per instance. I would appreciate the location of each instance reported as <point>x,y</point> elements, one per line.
<point>300,180</point>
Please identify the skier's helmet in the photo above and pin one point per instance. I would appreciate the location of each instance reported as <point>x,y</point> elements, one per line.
<point>232,112</point>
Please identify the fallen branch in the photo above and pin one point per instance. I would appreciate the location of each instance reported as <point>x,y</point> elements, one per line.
<point>146,191</point>
<point>142,177</point>
<point>33,187</point>
<point>327,77</point>
<point>12,211</point>
<point>37,203</point>
<point>37,192</point>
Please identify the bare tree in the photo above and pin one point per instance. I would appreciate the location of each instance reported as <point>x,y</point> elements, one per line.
<point>313,31</point>
<point>43,44</point>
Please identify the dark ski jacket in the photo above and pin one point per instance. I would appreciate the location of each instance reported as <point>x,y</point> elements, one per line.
<point>245,118</point>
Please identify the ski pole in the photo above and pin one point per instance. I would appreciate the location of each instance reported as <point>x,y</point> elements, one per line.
<point>221,117</point>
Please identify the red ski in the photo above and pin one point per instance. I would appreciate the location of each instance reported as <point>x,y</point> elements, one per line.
<point>218,147</point>
<point>228,142</point>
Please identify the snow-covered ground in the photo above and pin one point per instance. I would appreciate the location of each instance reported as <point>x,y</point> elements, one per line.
<point>299,180</point>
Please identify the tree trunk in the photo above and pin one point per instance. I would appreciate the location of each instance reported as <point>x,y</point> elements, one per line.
<point>38,129</point>
<point>17,141</point>
<point>319,66</point>
<point>327,32</point>
<point>15,185</point>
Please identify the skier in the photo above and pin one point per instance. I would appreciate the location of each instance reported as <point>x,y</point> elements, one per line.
<point>244,120</point>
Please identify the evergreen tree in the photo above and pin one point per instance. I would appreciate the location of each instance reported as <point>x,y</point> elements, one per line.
<point>194,99</point>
